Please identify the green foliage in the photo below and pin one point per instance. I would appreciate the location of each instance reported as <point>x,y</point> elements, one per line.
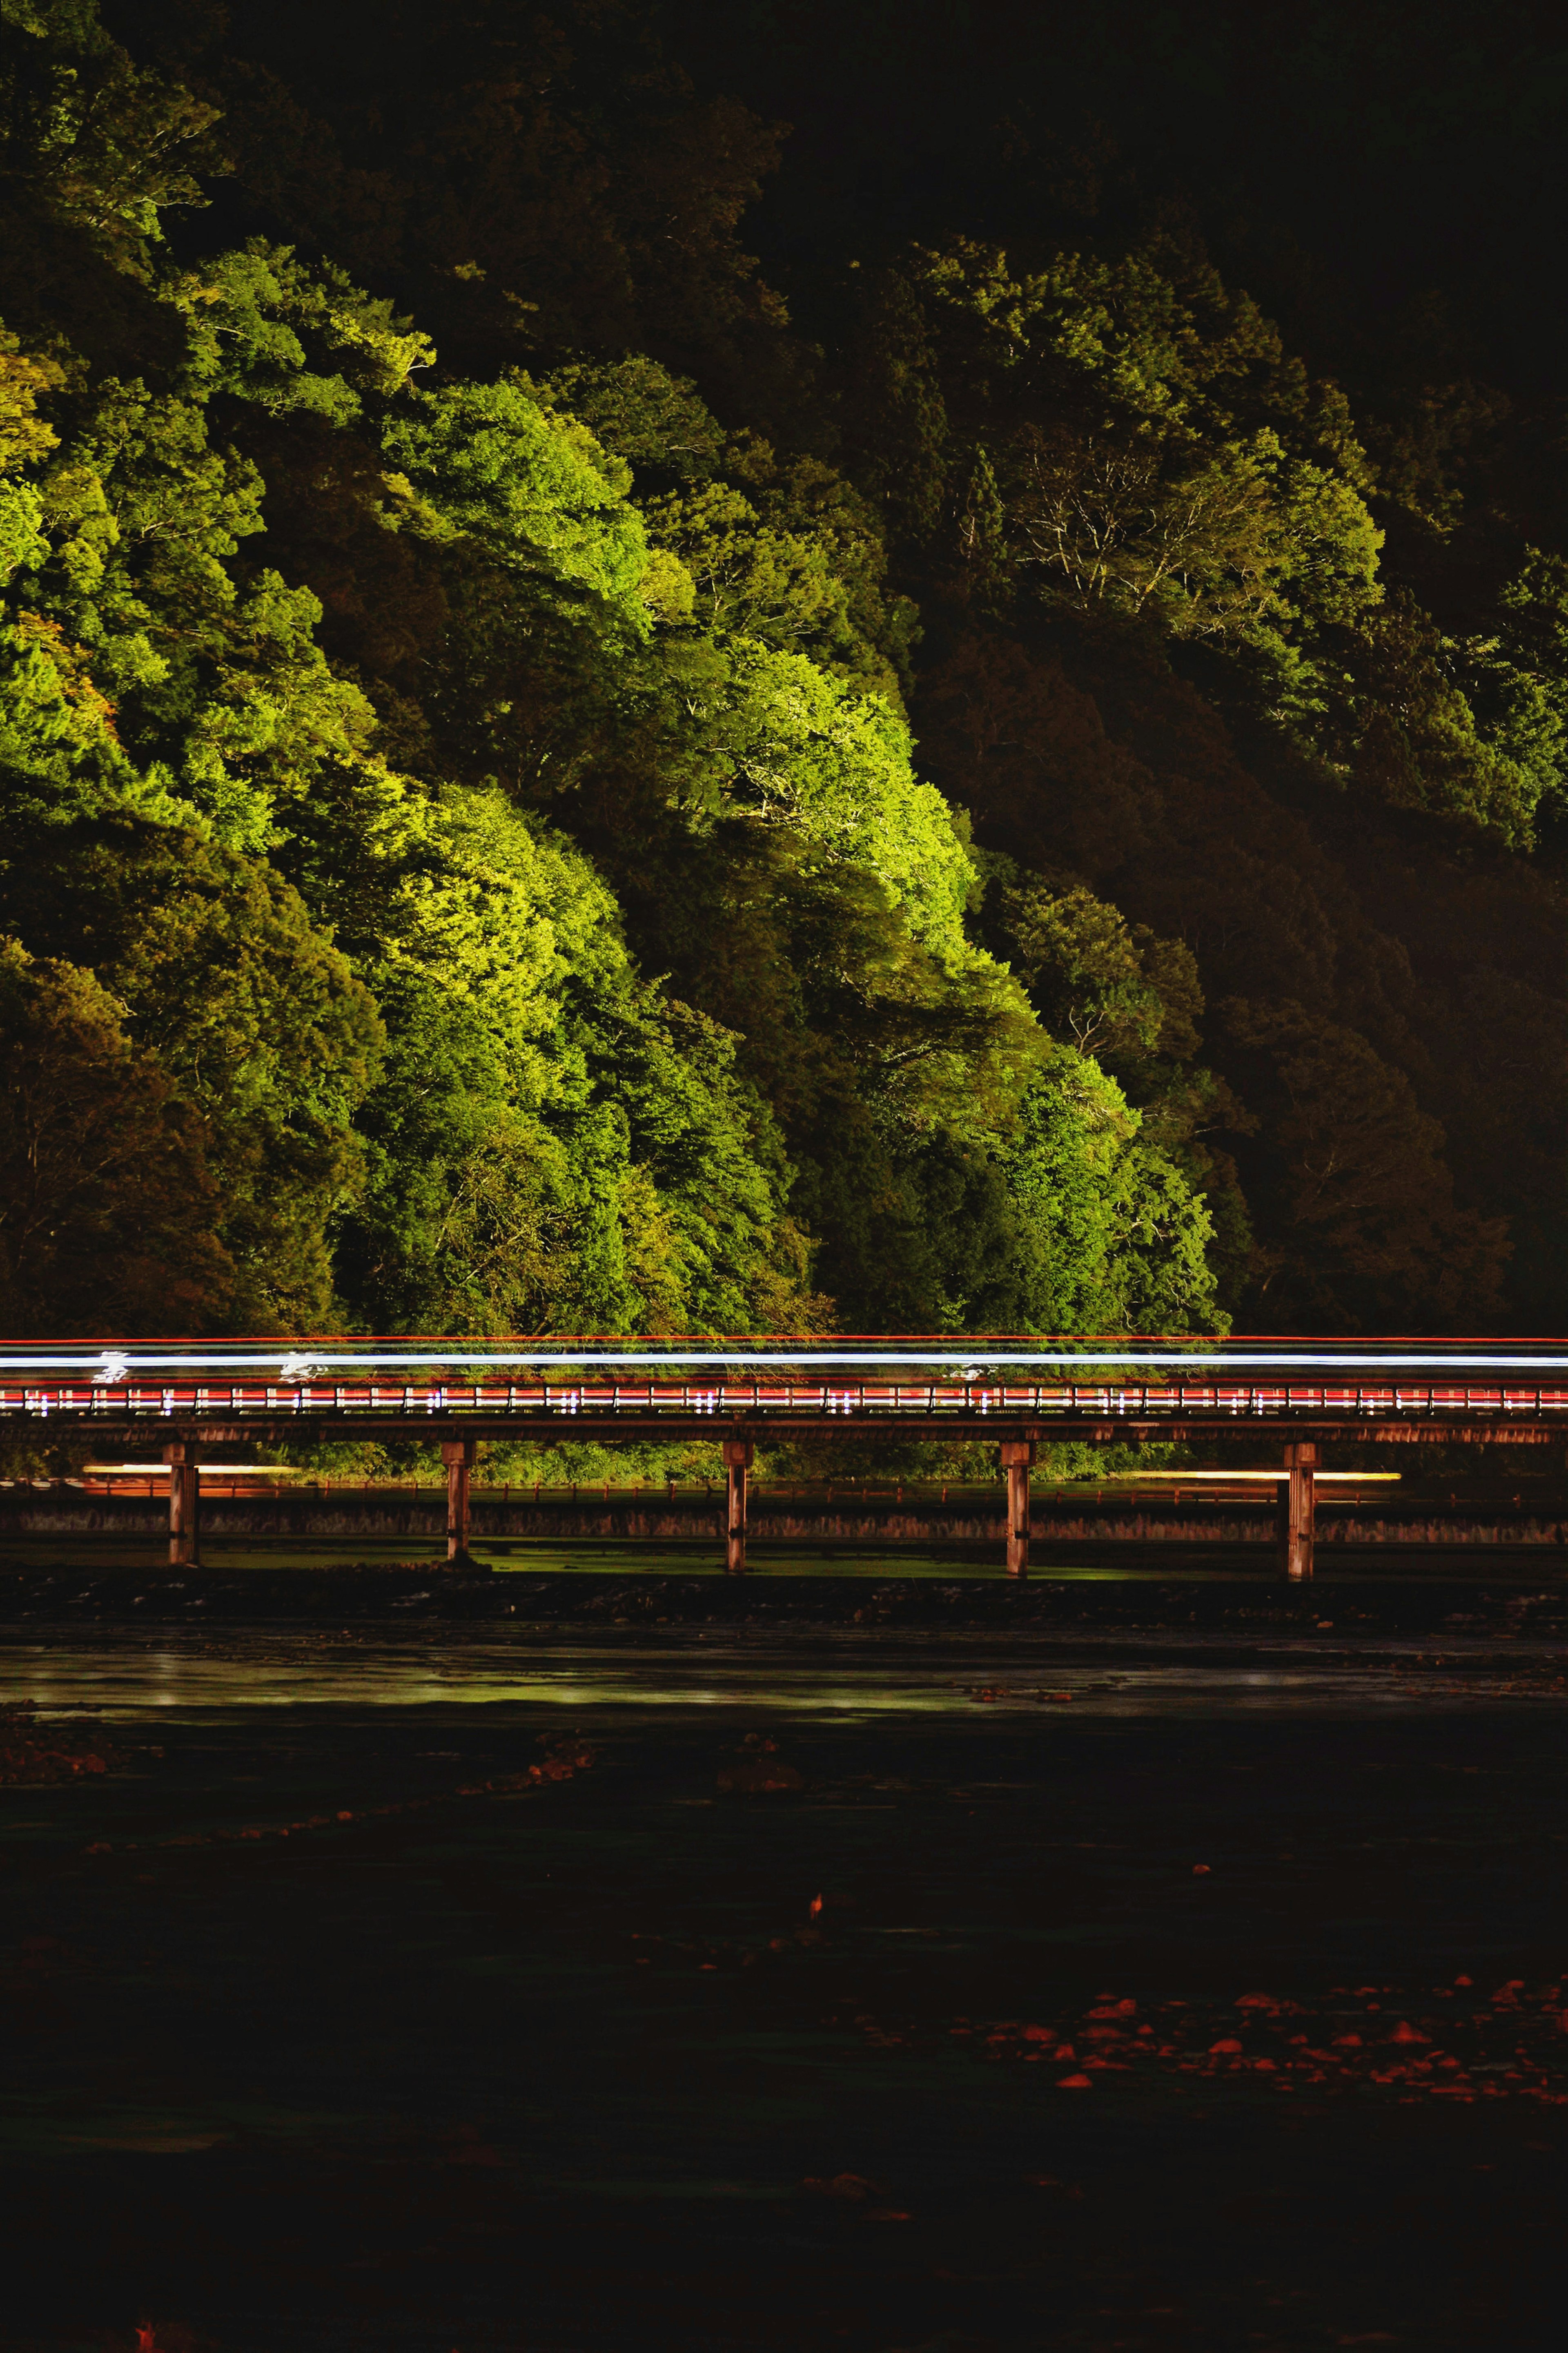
<point>800,752</point>
<point>552,1146</point>
<point>203,692</point>
<point>105,144</point>
<point>1142,446</point>
<point>899,419</point>
<point>107,1205</point>
<point>530,486</point>
<point>1140,449</point>
<point>257,319</point>
<point>656,421</point>
<point>989,573</point>
<point>1119,993</point>
<point>256,1022</point>
<point>1517,679</point>
<point>548,179</point>
<point>23,436</point>
<point>1415,741</point>
<point>1113,1237</point>
<point>749,581</point>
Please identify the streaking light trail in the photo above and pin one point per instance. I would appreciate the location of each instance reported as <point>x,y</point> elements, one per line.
<point>972,1359</point>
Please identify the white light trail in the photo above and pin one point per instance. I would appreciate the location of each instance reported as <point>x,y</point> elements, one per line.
<point>208,1470</point>
<point>1156,1477</point>
<point>126,1365</point>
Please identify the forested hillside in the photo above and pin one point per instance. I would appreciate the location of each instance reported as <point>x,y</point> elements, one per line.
<point>559,777</point>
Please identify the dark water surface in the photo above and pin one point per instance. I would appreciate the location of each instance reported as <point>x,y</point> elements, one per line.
<point>826,1672</point>
<point>330,2027</point>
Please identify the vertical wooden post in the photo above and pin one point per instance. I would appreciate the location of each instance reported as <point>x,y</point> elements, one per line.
<point>457,1454</point>
<point>738,1454</point>
<point>185,1504</point>
<point>1301,1462</point>
<point>1017,1454</point>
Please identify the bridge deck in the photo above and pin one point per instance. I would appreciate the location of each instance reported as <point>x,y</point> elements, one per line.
<point>1478,1412</point>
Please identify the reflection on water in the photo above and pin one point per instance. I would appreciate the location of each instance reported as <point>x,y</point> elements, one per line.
<point>828,1675</point>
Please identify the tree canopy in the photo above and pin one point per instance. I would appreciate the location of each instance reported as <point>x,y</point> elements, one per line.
<point>542,792</point>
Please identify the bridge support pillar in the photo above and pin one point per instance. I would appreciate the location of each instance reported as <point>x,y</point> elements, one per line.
<point>1300,1484</point>
<point>185,1504</point>
<point>1017,1454</point>
<point>738,1453</point>
<point>457,1454</point>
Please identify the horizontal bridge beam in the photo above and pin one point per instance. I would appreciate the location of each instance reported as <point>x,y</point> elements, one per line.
<point>1414,1428</point>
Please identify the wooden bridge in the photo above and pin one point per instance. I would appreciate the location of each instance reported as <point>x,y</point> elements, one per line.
<point>1016,1390</point>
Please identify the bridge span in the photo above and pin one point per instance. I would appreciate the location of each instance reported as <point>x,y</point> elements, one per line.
<point>1018,1391</point>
